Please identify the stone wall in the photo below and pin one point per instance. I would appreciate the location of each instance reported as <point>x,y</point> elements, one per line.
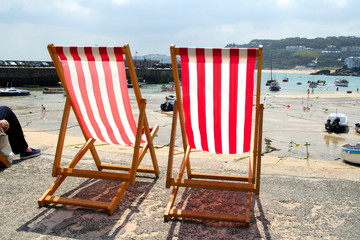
<point>47,76</point>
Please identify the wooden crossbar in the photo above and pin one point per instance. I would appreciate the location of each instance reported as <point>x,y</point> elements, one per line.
<point>229,186</point>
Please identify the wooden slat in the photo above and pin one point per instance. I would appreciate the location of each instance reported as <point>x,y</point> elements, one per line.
<point>4,161</point>
<point>172,145</point>
<point>229,186</point>
<point>176,213</point>
<point>77,202</point>
<point>117,198</point>
<point>126,168</point>
<point>170,204</point>
<point>219,177</point>
<point>94,174</point>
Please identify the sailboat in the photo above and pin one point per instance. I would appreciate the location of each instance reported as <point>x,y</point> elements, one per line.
<point>272,80</point>
<point>274,85</point>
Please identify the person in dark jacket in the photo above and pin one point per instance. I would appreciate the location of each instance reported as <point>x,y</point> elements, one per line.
<point>11,126</point>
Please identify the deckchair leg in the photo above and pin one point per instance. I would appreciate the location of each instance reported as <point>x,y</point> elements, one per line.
<point>110,210</point>
<point>4,161</point>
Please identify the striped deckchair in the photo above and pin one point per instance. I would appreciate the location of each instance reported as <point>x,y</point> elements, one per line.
<point>215,109</point>
<point>95,83</point>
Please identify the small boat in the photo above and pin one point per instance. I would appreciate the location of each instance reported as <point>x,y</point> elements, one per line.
<point>312,84</point>
<point>286,79</point>
<point>299,83</point>
<point>321,82</point>
<point>350,153</point>
<point>53,90</point>
<point>130,85</point>
<point>274,86</point>
<point>268,82</point>
<point>336,122</point>
<point>168,105</point>
<point>14,92</point>
<point>169,87</point>
<point>357,127</point>
<point>341,83</point>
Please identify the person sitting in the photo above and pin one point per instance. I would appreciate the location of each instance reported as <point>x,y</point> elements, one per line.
<point>11,126</point>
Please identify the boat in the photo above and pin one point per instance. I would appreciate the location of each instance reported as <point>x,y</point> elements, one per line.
<point>286,79</point>
<point>341,83</point>
<point>312,84</point>
<point>274,86</point>
<point>168,105</point>
<point>336,122</point>
<point>168,87</point>
<point>299,83</point>
<point>130,85</point>
<point>350,153</point>
<point>271,80</point>
<point>14,92</point>
<point>53,90</point>
<point>357,127</point>
<point>321,82</point>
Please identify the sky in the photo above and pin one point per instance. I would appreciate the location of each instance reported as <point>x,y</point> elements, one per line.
<point>151,26</point>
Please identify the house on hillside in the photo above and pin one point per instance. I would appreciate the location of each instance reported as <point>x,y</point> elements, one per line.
<point>352,62</point>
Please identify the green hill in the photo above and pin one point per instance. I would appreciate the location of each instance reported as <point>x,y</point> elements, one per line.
<point>313,54</point>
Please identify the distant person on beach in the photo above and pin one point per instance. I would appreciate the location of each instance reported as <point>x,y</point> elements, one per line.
<point>11,126</point>
<point>43,109</point>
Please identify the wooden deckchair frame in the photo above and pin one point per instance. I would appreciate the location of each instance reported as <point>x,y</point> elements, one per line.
<point>4,161</point>
<point>249,184</point>
<point>138,154</point>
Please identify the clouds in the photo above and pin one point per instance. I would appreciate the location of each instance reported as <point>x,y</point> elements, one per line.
<point>150,26</point>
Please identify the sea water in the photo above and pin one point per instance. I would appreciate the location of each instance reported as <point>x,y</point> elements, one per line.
<point>34,119</point>
<point>294,78</point>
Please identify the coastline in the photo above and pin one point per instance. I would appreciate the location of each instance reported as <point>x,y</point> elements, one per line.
<point>301,71</point>
<point>297,126</point>
<point>301,184</point>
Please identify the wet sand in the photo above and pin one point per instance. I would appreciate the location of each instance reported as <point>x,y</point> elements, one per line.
<point>292,136</point>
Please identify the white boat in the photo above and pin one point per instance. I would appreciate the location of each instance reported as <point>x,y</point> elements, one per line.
<point>336,122</point>
<point>341,82</point>
<point>14,92</point>
<point>321,82</point>
<point>169,87</point>
<point>350,153</point>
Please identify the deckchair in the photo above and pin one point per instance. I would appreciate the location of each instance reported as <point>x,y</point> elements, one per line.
<point>215,110</point>
<point>4,161</point>
<point>95,84</point>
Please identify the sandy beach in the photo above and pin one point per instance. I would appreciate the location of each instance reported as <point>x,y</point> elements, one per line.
<point>284,128</point>
<point>303,178</point>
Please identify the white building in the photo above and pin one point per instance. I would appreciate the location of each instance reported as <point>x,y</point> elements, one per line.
<point>295,48</point>
<point>352,62</point>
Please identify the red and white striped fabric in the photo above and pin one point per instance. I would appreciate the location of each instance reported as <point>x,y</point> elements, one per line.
<point>217,86</point>
<point>96,81</point>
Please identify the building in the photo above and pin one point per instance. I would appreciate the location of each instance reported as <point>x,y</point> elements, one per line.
<point>352,62</point>
<point>296,48</point>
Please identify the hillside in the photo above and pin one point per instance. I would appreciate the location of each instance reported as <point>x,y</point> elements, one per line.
<point>317,53</point>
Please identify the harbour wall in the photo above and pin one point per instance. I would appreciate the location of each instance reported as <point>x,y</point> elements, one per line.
<point>47,76</point>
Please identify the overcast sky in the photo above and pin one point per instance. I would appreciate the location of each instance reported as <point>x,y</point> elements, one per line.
<point>150,26</point>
